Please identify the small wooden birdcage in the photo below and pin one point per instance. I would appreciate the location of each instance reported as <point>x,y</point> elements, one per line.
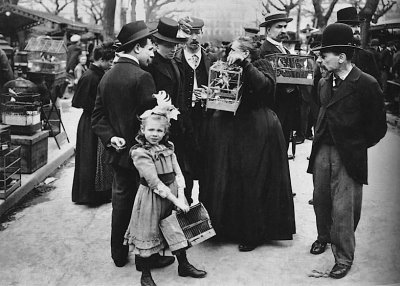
<point>182,230</point>
<point>292,69</point>
<point>224,83</point>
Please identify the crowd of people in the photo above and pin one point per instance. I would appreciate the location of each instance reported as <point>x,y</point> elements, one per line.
<point>145,124</point>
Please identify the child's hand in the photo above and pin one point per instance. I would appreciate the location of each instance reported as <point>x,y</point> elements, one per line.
<point>181,204</point>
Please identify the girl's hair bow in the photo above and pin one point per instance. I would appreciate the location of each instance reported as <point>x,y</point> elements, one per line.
<point>164,107</point>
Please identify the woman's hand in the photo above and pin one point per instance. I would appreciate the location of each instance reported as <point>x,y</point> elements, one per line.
<point>234,57</point>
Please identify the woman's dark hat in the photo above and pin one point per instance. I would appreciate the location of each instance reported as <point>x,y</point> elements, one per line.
<point>133,32</point>
<point>168,31</point>
<point>269,20</point>
<point>336,35</point>
<point>348,16</point>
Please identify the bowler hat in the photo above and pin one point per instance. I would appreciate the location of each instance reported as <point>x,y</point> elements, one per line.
<point>269,20</point>
<point>348,16</point>
<point>251,30</point>
<point>133,32</point>
<point>168,31</point>
<point>337,35</point>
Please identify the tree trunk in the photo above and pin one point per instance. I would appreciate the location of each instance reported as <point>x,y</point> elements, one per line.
<point>367,12</point>
<point>298,20</point>
<point>76,16</point>
<point>133,11</point>
<point>108,23</point>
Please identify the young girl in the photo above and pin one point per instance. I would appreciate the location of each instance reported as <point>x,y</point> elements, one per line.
<point>161,188</point>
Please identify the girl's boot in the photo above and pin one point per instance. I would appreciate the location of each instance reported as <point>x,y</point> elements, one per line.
<point>185,269</point>
<point>145,279</point>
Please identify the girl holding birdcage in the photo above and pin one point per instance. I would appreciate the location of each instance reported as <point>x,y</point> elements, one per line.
<point>247,189</point>
<point>161,188</point>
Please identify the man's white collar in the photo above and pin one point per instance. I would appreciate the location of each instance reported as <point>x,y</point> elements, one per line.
<point>128,56</point>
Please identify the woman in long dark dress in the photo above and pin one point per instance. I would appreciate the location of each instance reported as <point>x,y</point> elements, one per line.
<point>92,177</point>
<point>247,188</point>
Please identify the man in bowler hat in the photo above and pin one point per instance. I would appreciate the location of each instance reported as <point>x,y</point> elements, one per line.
<point>124,93</point>
<point>363,59</point>
<point>351,119</point>
<point>287,97</point>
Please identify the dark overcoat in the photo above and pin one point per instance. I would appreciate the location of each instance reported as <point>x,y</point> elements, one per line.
<point>124,93</point>
<point>356,120</point>
<point>287,97</point>
<point>366,62</point>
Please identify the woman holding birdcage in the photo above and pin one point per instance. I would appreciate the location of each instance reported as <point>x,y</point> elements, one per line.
<point>247,188</point>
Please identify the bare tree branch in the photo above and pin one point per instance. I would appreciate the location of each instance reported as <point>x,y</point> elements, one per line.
<point>382,9</point>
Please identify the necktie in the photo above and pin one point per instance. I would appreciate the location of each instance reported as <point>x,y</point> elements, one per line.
<point>195,60</point>
<point>338,81</point>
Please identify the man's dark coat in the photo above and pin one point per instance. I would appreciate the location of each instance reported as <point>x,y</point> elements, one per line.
<point>287,97</point>
<point>124,93</point>
<point>366,62</point>
<point>356,120</point>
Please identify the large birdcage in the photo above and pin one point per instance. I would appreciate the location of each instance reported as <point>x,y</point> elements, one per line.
<point>224,83</point>
<point>182,230</point>
<point>46,55</point>
<point>292,69</point>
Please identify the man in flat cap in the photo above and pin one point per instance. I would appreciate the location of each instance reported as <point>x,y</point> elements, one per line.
<point>73,52</point>
<point>363,59</point>
<point>124,93</point>
<point>287,97</point>
<point>194,65</point>
<point>351,119</point>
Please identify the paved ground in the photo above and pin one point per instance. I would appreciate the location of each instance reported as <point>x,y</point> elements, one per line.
<point>55,242</point>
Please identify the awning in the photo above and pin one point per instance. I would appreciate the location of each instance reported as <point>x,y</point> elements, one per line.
<point>15,18</point>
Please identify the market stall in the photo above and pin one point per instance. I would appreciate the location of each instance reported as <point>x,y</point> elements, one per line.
<point>46,68</point>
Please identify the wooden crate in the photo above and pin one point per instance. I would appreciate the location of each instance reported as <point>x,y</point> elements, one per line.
<point>34,149</point>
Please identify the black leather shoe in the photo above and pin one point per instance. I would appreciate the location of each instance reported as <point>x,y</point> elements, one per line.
<point>188,270</point>
<point>146,279</point>
<point>318,247</point>
<point>157,261</point>
<point>311,202</point>
<point>339,271</point>
<point>246,247</point>
<point>120,262</point>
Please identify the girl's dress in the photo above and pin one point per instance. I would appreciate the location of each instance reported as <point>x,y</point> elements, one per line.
<point>158,168</point>
<point>247,189</point>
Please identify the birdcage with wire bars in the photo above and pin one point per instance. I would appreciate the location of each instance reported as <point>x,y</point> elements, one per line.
<point>182,230</point>
<point>292,69</point>
<point>224,83</point>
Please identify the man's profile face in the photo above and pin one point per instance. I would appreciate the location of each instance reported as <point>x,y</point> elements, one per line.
<point>277,31</point>
<point>328,61</point>
<point>145,54</point>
